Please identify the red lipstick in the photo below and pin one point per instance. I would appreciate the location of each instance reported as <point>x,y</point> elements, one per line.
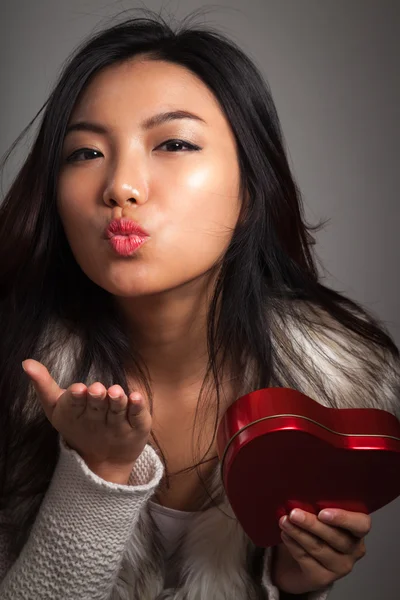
<point>125,236</point>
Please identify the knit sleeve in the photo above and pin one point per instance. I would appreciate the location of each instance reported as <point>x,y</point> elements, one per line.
<point>77,542</point>
<point>275,594</point>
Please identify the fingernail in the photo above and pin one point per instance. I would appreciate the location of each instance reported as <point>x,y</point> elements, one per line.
<point>297,516</point>
<point>326,515</point>
<point>23,366</point>
<point>285,522</point>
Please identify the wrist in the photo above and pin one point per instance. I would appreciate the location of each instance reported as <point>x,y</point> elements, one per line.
<point>119,475</point>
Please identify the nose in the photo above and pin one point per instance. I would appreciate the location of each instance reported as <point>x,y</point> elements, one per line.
<point>122,193</point>
<point>123,197</point>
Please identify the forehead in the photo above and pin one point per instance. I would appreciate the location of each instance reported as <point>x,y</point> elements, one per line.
<point>139,87</point>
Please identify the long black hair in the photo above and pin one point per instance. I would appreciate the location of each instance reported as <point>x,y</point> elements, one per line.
<point>45,298</point>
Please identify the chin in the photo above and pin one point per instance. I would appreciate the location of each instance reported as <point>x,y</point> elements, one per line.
<point>141,289</point>
<point>126,290</point>
<point>131,289</point>
<point>139,280</point>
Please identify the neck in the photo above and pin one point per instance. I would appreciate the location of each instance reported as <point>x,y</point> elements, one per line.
<point>170,332</point>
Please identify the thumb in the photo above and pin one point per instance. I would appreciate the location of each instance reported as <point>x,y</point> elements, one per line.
<point>45,386</point>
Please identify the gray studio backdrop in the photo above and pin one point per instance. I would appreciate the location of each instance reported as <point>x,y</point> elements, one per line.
<point>333,69</point>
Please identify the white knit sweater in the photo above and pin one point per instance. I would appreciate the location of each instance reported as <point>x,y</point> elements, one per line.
<point>82,529</point>
<point>80,533</point>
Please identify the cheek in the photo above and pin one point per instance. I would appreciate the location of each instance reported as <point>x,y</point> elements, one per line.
<point>75,213</point>
<point>78,227</point>
<point>208,197</point>
<point>199,214</point>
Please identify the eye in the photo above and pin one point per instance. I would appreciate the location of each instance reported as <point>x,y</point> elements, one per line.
<point>73,157</point>
<point>176,144</point>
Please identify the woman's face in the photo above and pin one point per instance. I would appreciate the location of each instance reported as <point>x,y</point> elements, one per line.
<point>184,193</point>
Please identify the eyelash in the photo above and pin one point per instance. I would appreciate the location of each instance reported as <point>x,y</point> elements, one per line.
<point>192,148</point>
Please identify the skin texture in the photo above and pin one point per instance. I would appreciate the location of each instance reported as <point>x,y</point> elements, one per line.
<point>188,201</point>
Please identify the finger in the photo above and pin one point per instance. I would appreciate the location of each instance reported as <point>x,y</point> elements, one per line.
<point>96,405</point>
<point>71,404</point>
<point>321,551</point>
<point>339,539</point>
<point>45,386</point>
<point>359,524</point>
<point>135,404</point>
<point>76,395</point>
<point>117,405</point>
<point>308,563</point>
<point>138,415</point>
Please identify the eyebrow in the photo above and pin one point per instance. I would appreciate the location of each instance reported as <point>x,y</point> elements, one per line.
<point>149,123</point>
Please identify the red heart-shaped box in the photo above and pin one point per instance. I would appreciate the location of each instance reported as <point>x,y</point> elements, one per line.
<point>280,450</point>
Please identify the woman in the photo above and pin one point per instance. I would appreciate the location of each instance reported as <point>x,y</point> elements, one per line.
<point>158,266</point>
